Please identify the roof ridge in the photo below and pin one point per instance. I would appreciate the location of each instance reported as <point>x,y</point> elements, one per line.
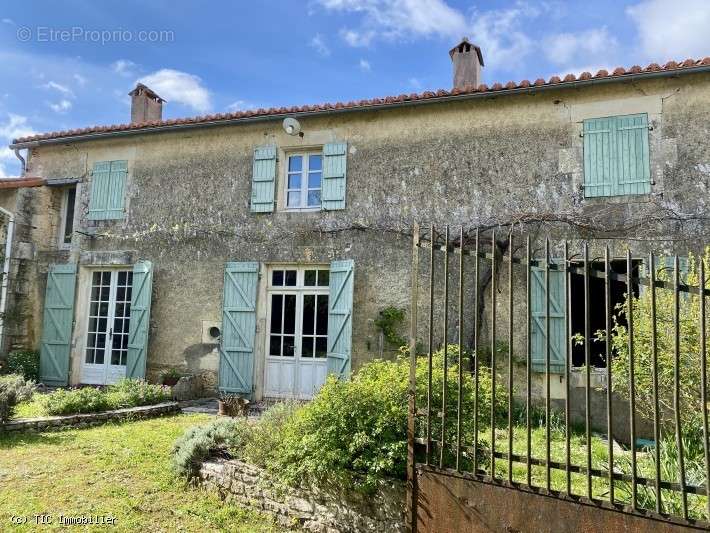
<point>618,72</point>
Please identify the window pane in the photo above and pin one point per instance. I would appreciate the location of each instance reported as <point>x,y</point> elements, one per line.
<point>121,294</point>
<point>124,356</point>
<point>314,180</point>
<point>323,278</point>
<point>295,163</point>
<point>294,199</point>
<point>124,343</point>
<point>307,347</point>
<point>92,325</point>
<point>277,278</point>
<point>89,356</point>
<point>315,162</point>
<point>122,278</point>
<point>115,357</point>
<point>309,279</point>
<point>290,313</point>
<point>96,278</point>
<point>322,315</point>
<point>130,278</point>
<point>105,278</point>
<point>321,347</point>
<point>99,358</point>
<point>102,324</point>
<point>290,278</point>
<point>276,303</point>
<point>105,292</point>
<point>294,181</point>
<point>288,345</point>
<point>313,198</point>
<point>275,345</point>
<point>91,340</point>
<point>309,312</point>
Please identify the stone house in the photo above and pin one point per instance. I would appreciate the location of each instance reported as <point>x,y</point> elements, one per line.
<point>257,249</point>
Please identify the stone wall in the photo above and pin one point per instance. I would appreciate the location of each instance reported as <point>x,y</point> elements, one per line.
<point>313,509</point>
<point>84,420</point>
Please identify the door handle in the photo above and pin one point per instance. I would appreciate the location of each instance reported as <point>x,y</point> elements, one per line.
<point>110,333</point>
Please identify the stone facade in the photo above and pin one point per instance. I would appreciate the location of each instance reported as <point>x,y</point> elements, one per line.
<point>472,162</point>
<point>318,510</point>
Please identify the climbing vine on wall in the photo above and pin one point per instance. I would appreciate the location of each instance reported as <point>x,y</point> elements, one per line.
<point>390,320</point>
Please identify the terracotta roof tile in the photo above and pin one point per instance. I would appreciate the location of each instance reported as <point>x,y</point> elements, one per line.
<point>617,73</point>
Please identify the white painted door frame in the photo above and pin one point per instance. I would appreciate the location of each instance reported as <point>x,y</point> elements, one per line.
<point>116,326</point>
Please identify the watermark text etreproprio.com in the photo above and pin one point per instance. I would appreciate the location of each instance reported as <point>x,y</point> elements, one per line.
<point>79,34</point>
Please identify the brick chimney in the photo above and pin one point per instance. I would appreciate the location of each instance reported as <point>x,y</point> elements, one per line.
<point>467,61</point>
<point>146,106</point>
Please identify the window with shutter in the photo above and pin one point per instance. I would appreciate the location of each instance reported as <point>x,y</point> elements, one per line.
<point>263,178</point>
<point>616,156</point>
<point>108,185</point>
<point>540,317</point>
<point>334,176</point>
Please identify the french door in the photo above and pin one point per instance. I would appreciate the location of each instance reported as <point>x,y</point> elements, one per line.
<point>296,346</point>
<point>108,321</point>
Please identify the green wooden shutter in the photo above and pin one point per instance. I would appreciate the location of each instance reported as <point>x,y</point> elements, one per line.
<point>263,179</point>
<point>236,362</point>
<point>55,347</point>
<point>340,317</point>
<point>334,176</point>
<point>108,186</point>
<point>140,319</point>
<point>616,156</point>
<point>538,340</point>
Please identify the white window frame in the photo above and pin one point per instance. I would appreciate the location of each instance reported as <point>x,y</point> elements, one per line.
<point>63,217</point>
<point>304,173</point>
<point>300,290</point>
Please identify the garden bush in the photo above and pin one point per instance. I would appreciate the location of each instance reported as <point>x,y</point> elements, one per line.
<point>24,363</point>
<point>212,440</point>
<point>126,393</point>
<point>13,390</point>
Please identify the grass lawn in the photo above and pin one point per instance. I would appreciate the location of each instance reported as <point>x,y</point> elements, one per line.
<point>122,470</point>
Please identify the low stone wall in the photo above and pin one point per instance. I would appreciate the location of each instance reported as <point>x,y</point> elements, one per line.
<point>312,509</point>
<point>90,419</point>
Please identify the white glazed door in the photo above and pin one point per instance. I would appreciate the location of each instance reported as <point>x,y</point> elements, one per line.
<point>296,364</point>
<point>107,334</point>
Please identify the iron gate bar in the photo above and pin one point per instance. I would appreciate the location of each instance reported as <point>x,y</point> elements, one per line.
<point>431,346</point>
<point>528,357</point>
<point>699,490</point>
<point>493,354</point>
<point>446,348</point>
<point>587,402</point>
<point>475,363</point>
<point>703,383</point>
<point>460,376</point>
<point>548,474</point>
<point>676,380</point>
<point>412,405</point>
<point>596,273</point>
<point>510,356</point>
<point>607,356</point>
<point>654,385</point>
<point>568,331</point>
<point>645,513</point>
<point>632,375</point>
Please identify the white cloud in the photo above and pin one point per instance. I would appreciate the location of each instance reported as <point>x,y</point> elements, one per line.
<point>124,67</point>
<point>13,127</point>
<point>590,45</point>
<point>62,106</point>
<point>59,88</point>
<point>181,87</point>
<point>241,105</point>
<point>81,80</point>
<point>397,19</point>
<point>319,45</point>
<point>415,83</point>
<point>365,65</point>
<point>8,21</point>
<point>501,35</point>
<point>672,30</point>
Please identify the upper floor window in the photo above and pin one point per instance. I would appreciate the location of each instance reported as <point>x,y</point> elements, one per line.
<point>66,225</point>
<point>616,156</point>
<point>108,185</point>
<point>303,181</point>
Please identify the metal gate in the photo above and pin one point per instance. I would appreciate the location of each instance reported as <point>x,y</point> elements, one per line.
<point>499,436</point>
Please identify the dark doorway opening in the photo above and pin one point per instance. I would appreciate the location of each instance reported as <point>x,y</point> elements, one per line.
<point>597,312</point>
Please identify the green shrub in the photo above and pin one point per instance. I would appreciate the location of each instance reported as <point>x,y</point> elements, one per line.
<point>212,440</point>
<point>13,390</point>
<point>24,363</point>
<point>135,392</point>
<point>354,432</point>
<point>267,435</point>
<point>125,393</point>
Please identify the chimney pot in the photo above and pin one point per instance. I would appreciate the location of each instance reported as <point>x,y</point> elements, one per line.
<point>467,61</point>
<point>146,106</point>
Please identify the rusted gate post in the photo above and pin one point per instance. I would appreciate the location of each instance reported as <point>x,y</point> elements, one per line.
<point>411,461</point>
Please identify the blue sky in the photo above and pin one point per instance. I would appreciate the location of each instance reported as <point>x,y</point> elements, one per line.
<point>219,56</point>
